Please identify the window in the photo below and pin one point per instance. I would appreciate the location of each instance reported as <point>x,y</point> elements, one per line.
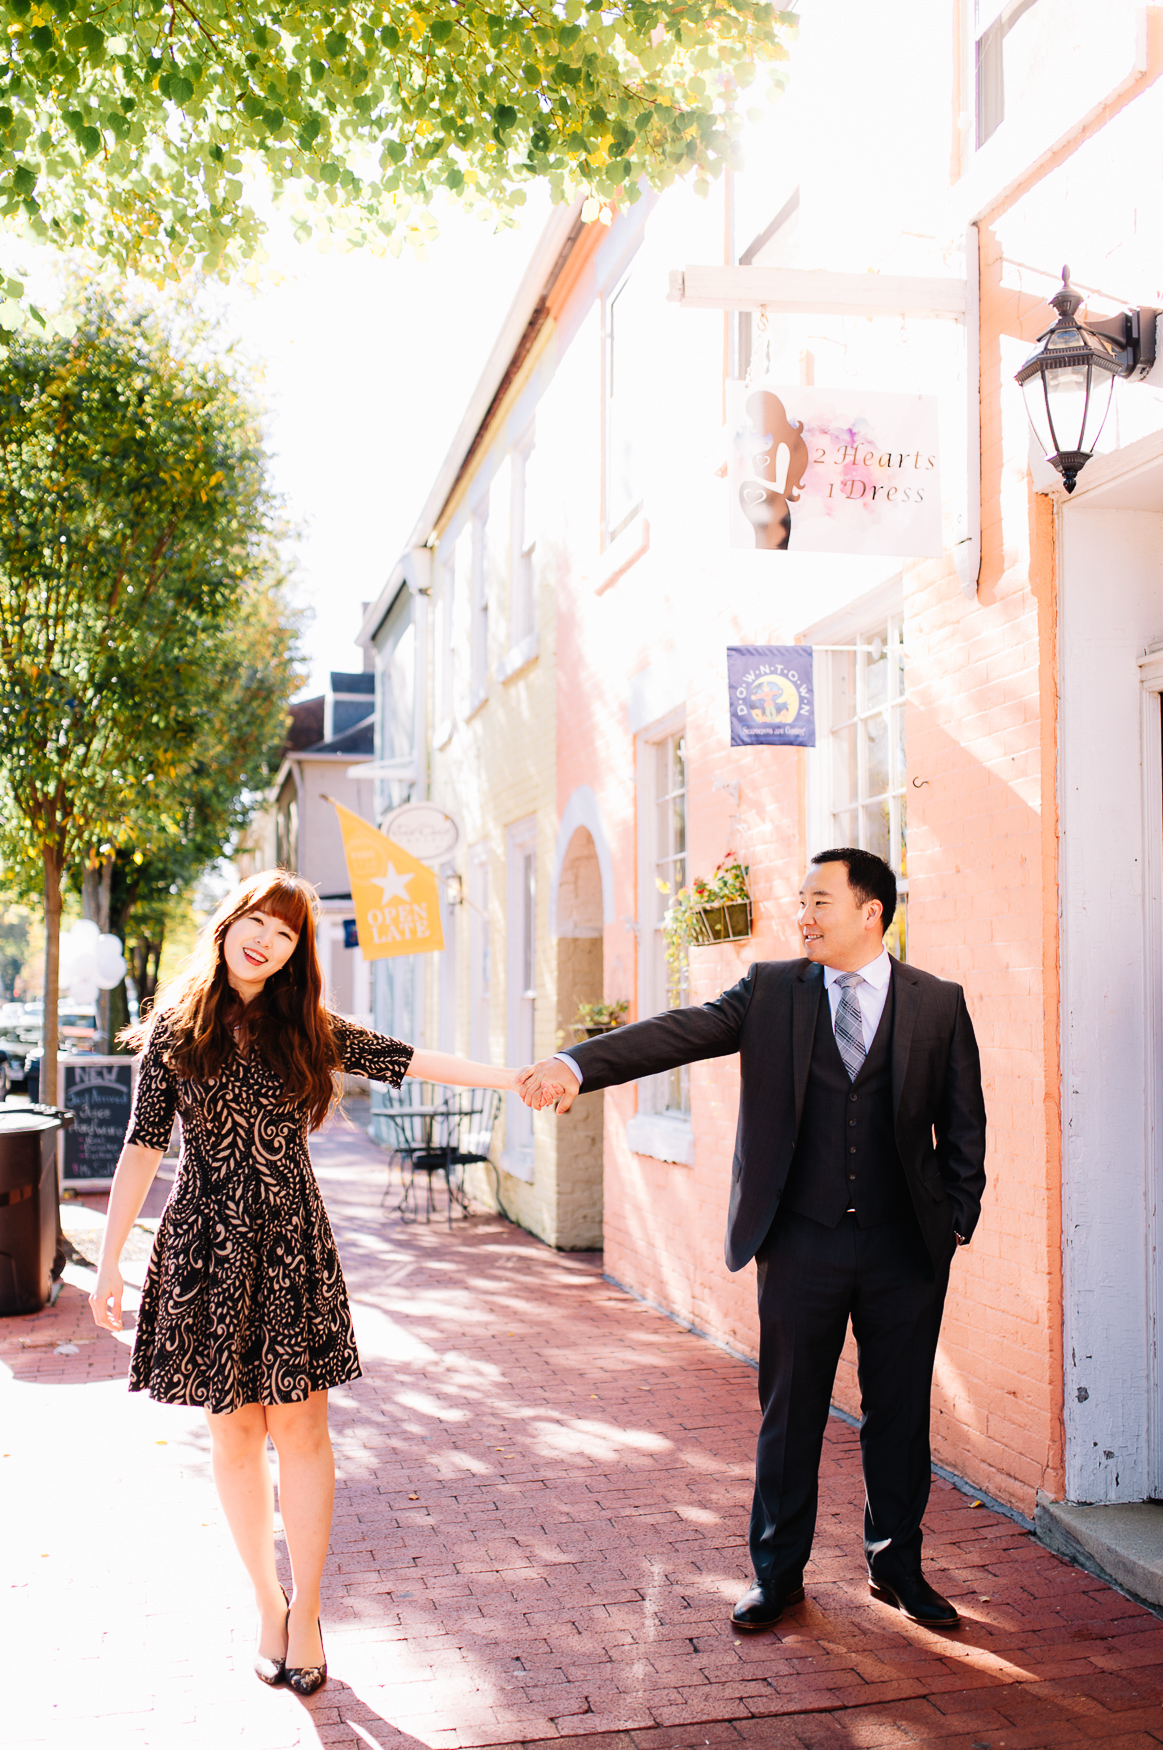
<point>479,635</point>
<point>479,1044</point>
<point>994,55</point>
<point>863,751</point>
<point>448,959</point>
<point>521,543</point>
<point>666,985</point>
<point>444,658</point>
<point>627,395</point>
<point>396,695</point>
<point>521,985</point>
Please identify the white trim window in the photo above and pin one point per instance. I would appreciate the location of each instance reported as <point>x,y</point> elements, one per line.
<point>522,540</point>
<point>444,654</point>
<point>480,1047</point>
<point>994,56</point>
<point>520,985</point>
<point>663,870</point>
<point>629,315</point>
<point>860,753</point>
<point>479,628</point>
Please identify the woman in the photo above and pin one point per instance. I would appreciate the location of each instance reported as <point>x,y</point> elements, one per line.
<point>244,1310</point>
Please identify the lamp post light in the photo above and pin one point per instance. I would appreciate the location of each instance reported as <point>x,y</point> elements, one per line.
<point>1068,381</point>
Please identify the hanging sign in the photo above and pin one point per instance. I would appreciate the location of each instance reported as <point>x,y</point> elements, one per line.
<point>772,695</point>
<point>424,829</point>
<point>397,909</point>
<point>833,471</point>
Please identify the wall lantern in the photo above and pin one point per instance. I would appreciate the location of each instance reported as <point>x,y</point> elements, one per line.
<point>1069,381</point>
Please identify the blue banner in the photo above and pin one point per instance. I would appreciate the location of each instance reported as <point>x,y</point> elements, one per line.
<point>772,695</point>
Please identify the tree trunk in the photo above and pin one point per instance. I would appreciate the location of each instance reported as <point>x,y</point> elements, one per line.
<point>53,870</point>
<point>96,894</point>
<point>53,867</point>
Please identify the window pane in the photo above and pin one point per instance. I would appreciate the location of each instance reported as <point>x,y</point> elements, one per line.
<point>896,936</point>
<point>678,773</point>
<point>876,835</point>
<point>843,685</point>
<point>844,774</point>
<point>875,678</point>
<point>902,806</point>
<point>876,734</point>
<point>899,739</point>
<point>844,828</point>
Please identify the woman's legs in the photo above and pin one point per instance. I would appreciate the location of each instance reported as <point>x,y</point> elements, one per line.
<point>306,1497</point>
<point>242,1477</point>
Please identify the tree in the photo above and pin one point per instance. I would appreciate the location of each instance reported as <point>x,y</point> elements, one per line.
<point>129,126</point>
<point>134,519</point>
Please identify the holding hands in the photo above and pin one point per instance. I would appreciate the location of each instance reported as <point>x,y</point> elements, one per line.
<point>541,1084</point>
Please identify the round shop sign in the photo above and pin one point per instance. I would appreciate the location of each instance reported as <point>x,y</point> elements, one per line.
<point>422,829</point>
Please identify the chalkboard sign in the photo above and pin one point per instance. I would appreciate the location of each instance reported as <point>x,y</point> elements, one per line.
<point>99,1090</point>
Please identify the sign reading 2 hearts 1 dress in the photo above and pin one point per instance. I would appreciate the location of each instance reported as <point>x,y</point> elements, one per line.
<point>833,471</point>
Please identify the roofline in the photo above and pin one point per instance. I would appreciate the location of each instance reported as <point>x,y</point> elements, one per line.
<point>544,268</point>
<point>546,259</point>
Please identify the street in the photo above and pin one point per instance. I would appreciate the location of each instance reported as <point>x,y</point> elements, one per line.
<point>540,1530</point>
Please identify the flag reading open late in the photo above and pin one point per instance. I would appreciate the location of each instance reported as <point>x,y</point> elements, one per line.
<point>394,895</point>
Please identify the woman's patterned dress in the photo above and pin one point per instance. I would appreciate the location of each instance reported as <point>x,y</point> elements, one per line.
<point>244,1302</point>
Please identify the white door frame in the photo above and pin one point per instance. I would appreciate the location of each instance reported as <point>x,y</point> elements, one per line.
<point>1151,689</point>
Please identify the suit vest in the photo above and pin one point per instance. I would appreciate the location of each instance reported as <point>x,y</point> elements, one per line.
<point>846,1155</point>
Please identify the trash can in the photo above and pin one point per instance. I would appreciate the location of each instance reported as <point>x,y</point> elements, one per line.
<point>28,1204</point>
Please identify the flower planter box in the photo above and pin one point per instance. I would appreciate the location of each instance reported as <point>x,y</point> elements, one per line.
<point>724,923</point>
<point>581,1033</point>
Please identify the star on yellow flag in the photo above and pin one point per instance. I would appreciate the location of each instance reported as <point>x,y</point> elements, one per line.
<point>397,908</point>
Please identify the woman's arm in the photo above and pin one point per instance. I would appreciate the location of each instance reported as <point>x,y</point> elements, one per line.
<point>458,1072</point>
<point>133,1178</point>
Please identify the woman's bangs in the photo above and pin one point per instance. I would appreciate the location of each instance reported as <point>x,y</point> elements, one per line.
<point>281,897</point>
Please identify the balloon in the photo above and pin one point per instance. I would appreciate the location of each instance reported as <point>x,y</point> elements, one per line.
<point>112,972</point>
<point>83,968</point>
<point>108,952</point>
<point>84,933</point>
<point>83,991</point>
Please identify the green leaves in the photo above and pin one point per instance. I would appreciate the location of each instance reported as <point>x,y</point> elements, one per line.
<point>136,541</point>
<point>600,99</point>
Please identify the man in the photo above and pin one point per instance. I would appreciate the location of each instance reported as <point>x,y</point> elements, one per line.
<point>858,1170</point>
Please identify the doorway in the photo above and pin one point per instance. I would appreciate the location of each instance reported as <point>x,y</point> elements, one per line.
<point>580,979</point>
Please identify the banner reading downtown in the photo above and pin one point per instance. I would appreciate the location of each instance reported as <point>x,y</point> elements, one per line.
<point>397,909</point>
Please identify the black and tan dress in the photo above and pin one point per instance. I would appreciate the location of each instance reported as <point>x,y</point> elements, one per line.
<point>244,1301</point>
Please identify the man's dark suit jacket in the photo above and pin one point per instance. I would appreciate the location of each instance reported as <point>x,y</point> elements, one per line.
<point>769,1018</point>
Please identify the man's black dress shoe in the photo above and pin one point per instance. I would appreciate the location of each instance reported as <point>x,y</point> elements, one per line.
<point>762,1605</point>
<point>916,1599</point>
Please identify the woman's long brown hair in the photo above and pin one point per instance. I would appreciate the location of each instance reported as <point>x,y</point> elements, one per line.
<point>286,1027</point>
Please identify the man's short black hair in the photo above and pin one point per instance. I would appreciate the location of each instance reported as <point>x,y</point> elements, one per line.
<point>869,877</point>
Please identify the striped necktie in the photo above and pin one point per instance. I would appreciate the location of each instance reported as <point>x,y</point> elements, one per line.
<point>849,1026</point>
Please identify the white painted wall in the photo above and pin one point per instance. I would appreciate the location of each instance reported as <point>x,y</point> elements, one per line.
<point>1111,610</point>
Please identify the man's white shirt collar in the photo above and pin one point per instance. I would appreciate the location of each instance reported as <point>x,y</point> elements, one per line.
<point>877,972</point>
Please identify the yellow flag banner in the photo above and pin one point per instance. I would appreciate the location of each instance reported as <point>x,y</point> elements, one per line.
<point>397,908</point>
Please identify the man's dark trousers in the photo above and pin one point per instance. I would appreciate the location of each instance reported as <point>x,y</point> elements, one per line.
<point>812,1279</point>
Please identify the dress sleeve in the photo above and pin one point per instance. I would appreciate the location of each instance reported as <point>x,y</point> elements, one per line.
<point>374,1055</point>
<point>156,1100</point>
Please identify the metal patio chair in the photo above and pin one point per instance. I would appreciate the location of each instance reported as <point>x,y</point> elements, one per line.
<point>441,1132</point>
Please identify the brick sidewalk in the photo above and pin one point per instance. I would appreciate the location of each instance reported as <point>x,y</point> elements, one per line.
<point>540,1529</point>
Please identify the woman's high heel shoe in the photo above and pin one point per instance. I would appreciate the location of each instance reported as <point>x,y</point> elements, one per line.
<point>272,1671</point>
<point>306,1679</point>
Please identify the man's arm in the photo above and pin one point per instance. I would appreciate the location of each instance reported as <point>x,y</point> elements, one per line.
<point>645,1048</point>
<point>960,1126</point>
